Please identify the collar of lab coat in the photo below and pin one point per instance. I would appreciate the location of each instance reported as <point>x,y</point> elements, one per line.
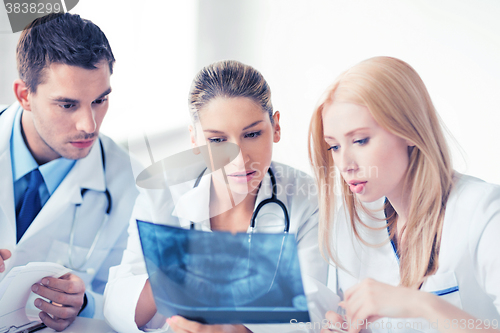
<point>194,205</point>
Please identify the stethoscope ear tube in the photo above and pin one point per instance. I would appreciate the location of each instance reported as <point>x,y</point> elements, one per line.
<point>104,222</point>
<point>273,200</point>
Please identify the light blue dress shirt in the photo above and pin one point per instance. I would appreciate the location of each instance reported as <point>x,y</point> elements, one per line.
<point>52,172</point>
<point>23,163</point>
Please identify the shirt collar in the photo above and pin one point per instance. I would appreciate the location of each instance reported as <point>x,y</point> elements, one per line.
<point>23,162</point>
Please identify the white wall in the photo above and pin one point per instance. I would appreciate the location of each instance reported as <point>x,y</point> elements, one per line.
<point>301,46</point>
<point>453,45</point>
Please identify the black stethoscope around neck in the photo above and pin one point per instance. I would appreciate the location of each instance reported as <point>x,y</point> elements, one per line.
<point>272,200</point>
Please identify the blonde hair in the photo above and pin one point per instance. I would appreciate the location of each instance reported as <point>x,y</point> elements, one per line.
<point>398,100</point>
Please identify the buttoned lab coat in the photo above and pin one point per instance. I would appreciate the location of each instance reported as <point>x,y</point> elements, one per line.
<point>295,189</point>
<point>469,258</point>
<point>47,238</point>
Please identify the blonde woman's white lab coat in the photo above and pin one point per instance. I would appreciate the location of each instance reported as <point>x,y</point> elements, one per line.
<point>469,258</point>
<point>295,189</point>
<point>47,238</point>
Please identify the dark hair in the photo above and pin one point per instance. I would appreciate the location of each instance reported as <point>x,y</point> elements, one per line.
<point>229,79</point>
<point>60,38</point>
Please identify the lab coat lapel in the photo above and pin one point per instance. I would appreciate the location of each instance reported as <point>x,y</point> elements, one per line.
<point>7,208</point>
<point>86,173</point>
<point>193,205</point>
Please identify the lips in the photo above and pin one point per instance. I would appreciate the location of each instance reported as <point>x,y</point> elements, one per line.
<point>357,186</point>
<point>243,177</point>
<point>82,143</point>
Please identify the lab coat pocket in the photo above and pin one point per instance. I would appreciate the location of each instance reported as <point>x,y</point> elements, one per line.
<point>86,269</point>
<point>445,286</point>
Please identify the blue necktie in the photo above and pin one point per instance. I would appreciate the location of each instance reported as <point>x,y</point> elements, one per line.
<point>30,205</point>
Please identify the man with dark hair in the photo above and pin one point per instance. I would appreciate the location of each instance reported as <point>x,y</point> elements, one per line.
<point>66,191</point>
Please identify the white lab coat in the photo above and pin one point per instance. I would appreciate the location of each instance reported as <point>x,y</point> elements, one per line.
<point>469,260</point>
<point>295,189</point>
<point>47,238</point>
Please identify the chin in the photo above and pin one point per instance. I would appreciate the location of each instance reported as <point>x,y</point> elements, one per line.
<point>368,198</point>
<point>241,189</point>
<point>76,155</point>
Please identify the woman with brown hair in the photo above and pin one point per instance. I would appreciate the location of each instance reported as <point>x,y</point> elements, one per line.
<point>229,102</point>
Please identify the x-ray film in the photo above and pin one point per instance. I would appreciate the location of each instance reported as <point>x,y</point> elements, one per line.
<point>221,278</point>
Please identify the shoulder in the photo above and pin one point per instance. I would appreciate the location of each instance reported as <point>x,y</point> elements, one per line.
<point>118,164</point>
<point>473,193</point>
<point>296,187</point>
<point>473,204</point>
<point>285,174</point>
<point>7,116</point>
<point>113,152</point>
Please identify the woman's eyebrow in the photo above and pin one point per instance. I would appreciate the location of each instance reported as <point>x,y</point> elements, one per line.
<point>213,131</point>
<point>348,134</point>
<point>252,124</point>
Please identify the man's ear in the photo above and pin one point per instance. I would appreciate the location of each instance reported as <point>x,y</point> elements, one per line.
<point>22,94</point>
<point>277,128</point>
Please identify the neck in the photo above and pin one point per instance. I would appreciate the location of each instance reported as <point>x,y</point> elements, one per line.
<point>400,204</point>
<point>226,215</point>
<point>40,151</point>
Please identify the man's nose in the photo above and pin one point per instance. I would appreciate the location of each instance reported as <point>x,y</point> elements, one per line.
<point>86,120</point>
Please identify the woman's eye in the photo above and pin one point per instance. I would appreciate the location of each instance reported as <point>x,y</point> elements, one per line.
<point>216,140</point>
<point>334,148</point>
<point>253,134</point>
<point>362,141</point>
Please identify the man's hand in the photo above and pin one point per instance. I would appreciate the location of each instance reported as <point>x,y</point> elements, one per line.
<point>66,296</point>
<point>182,325</point>
<point>4,255</point>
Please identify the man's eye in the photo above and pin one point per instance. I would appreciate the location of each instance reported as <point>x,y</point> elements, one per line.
<point>100,101</point>
<point>67,106</point>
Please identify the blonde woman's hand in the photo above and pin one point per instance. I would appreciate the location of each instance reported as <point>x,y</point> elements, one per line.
<point>182,325</point>
<point>371,300</point>
<point>335,323</point>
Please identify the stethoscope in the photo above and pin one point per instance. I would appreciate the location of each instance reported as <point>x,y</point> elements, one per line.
<point>272,200</point>
<point>104,222</point>
<point>70,265</point>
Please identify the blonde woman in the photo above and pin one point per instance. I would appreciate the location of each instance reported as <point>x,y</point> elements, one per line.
<point>415,243</point>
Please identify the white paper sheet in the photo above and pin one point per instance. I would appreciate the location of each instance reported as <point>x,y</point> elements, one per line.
<point>15,289</point>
